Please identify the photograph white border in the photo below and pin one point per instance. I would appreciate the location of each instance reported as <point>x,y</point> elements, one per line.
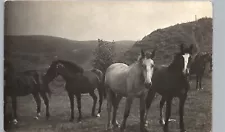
<point>218,88</point>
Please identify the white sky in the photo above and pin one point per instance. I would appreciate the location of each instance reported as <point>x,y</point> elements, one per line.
<point>106,20</point>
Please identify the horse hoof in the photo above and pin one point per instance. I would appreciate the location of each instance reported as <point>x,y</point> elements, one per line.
<point>47,116</point>
<point>98,115</point>
<point>78,120</point>
<point>122,129</point>
<point>71,120</point>
<point>116,125</point>
<point>183,130</point>
<point>15,121</point>
<point>162,122</point>
<point>36,118</point>
<point>108,127</point>
<point>144,130</point>
<point>170,120</point>
<point>93,115</point>
<point>146,123</point>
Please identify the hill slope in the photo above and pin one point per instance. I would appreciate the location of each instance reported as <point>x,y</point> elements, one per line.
<point>167,40</point>
<point>37,51</point>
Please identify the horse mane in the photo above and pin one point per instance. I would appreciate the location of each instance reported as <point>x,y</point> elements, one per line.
<point>201,54</point>
<point>72,66</point>
<point>172,65</point>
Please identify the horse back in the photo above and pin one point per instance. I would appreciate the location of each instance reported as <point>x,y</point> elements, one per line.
<point>198,65</point>
<point>116,77</point>
<point>22,83</point>
<point>92,77</point>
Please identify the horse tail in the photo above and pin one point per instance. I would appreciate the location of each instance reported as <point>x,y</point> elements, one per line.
<point>104,86</point>
<point>41,84</point>
<point>101,78</point>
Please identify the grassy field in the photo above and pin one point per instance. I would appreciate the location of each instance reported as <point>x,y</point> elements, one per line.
<point>197,114</point>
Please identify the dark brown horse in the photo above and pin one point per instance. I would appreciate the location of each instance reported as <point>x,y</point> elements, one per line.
<point>198,66</point>
<point>78,82</point>
<point>171,81</point>
<point>23,84</point>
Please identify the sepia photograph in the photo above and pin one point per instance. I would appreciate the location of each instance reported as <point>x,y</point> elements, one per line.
<point>102,66</point>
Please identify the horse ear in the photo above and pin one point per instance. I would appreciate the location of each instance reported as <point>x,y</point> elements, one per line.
<point>142,53</point>
<point>153,54</point>
<point>55,58</point>
<point>182,48</point>
<point>191,48</point>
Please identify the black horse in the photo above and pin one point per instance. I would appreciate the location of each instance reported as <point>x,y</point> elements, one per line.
<point>171,81</point>
<point>23,84</point>
<point>198,67</point>
<point>78,82</point>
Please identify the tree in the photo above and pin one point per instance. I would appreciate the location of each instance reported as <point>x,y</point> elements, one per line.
<point>104,55</point>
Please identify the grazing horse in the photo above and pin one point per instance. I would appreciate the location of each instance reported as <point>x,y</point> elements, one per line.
<point>131,82</point>
<point>23,84</point>
<point>198,67</point>
<point>171,81</point>
<point>78,81</point>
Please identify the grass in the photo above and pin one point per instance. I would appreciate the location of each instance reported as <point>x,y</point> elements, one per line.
<point>197,114</point>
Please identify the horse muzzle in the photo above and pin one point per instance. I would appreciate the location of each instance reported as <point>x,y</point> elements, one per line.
<point>148,85</point>
<point>186,72</point>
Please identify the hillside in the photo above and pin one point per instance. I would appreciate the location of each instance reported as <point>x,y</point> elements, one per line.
<point>37,51</point>
<point>168,39</point>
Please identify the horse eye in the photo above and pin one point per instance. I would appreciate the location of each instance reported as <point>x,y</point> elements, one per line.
<point>144,66</point>
<point>190,58</point>
<point>153,65</point>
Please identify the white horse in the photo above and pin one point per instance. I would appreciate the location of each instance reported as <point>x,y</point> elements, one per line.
<point>131,82</point>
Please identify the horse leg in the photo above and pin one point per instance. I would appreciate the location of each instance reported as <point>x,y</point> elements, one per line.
<point>181,112</point>
<point>168,114</point>
<point>129,101</point>
<point>14,106</point>
<point>46,101</point>
<point>200,82</point>
<point>100,93</point>
<point>71,97</point>
<point>78,96</point>
<point>115,108</point>
<point>38,102</point>
<point>94,97</point>
<point>162,102</point>
<point>148,101</point>
<point>197,80</point>
<point>142,114</point>
<point>109,108</point>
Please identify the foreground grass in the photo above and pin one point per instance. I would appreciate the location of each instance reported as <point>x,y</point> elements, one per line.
<point>197,114</point>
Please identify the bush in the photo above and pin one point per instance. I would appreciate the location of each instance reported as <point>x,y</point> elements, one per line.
<point>104,55</point>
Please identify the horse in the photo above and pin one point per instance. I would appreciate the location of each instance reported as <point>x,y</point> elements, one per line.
<point>131,82</point>
<point>198,67</point>
<point>22,84</point>
<point>78,82</point>
<point>169,82</point>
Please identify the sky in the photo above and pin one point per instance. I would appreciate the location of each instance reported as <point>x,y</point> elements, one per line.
<point>90,20</point>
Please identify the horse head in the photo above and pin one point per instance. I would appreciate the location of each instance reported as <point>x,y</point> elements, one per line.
<point>147,66</point>
<point>182,60</point>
